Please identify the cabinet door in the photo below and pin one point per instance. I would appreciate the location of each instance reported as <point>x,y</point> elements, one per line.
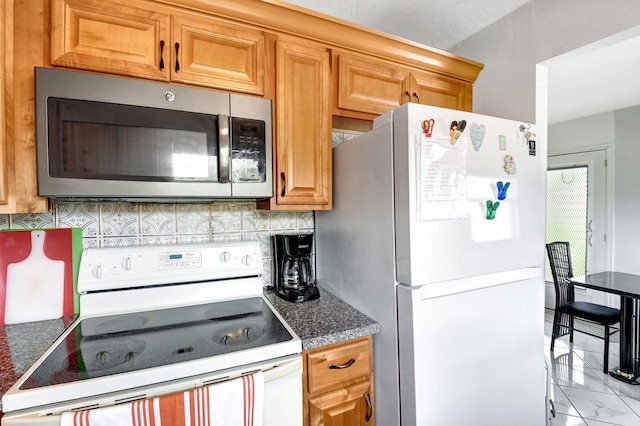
<point>441,91</point>
<point>372,87</point>
<point>347,406</point>
<point>110,37</point>
<point>303,137</point>
<point>217,53</point>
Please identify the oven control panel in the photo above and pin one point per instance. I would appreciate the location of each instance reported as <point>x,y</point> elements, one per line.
<point>125,267</point>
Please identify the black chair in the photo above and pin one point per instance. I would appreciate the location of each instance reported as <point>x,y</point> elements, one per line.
<point>567,308</point>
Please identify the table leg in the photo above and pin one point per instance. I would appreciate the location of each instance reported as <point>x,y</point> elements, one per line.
<point>628,369</point>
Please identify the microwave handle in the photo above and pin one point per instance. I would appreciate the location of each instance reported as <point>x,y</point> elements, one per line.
<point>224,148</point>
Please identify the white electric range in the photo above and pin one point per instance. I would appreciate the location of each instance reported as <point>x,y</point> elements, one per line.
<point>161,319</point>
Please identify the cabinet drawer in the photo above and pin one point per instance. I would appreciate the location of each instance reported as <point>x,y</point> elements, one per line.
<point>339,365</point>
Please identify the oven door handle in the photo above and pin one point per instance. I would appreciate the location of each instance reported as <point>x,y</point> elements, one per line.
<point>224,148</point>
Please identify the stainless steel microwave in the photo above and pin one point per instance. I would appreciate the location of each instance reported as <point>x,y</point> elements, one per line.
<point>102,136</point>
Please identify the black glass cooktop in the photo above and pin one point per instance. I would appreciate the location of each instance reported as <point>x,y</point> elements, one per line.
<point>114,344</point>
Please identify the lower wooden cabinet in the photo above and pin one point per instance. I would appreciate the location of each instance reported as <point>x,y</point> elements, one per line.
<point>338,384</point>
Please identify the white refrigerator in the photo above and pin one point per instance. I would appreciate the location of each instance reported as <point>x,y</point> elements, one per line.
<point>437,232</point>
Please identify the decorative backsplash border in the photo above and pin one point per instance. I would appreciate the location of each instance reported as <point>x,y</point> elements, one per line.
<point>122,224</point>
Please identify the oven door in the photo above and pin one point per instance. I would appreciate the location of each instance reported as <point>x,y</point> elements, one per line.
<point>282,382</point>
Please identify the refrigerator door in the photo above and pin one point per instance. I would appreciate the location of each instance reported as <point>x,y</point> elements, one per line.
<point>473,357</point>
<point>442,192</point>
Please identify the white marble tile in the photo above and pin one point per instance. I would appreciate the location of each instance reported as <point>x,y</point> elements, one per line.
<point>604,407</point>
<point>582,378</point>
<point>633,403</point>
<point>565,420</point>
<point>562,403</point>
<point>623,389</point>
<point>591,422</point>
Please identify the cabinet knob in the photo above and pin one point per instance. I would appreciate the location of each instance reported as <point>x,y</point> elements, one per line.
<point>408,95</point>
<point>415,95</point>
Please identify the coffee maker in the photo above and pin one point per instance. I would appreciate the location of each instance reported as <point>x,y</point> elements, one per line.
<point>294,277</point>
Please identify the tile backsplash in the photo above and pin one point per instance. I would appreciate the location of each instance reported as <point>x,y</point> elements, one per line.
<point>111,224</point>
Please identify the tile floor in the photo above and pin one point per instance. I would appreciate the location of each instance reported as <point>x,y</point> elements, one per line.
<point>582,393</point>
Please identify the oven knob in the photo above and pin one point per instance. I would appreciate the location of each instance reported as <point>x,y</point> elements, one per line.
<point>103,357</point>
<point>225,256</point>
<point>247,260</point>
<point>128,263</point>
<point>100,271</point>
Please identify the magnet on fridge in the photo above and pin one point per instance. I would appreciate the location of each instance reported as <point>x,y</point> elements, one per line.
<point>427,126</point>
<point>476,133</point>
<point>509,164</point>
<point>456,129</point>
<point>491,209</point>
<point>502,190</point>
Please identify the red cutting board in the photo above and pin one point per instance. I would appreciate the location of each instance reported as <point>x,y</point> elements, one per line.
<point>36,275</point>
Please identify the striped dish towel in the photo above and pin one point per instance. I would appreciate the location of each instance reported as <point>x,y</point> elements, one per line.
<point>238,402</point>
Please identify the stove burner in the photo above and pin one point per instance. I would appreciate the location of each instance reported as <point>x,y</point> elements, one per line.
<point>120,324</point>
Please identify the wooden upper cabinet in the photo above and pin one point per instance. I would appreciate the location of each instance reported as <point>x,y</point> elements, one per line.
<point>429,88</point>
<point>110,37</point>
<point>140,39</point>
<point>216,53</point>
<point>303,128</point>
<point>367,87</point>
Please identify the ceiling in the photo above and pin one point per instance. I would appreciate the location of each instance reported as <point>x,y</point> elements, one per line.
<point>595,79</point>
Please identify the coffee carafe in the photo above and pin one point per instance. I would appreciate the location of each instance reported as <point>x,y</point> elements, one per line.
<point>294,277</point>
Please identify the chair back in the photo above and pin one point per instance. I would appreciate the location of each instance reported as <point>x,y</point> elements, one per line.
<point>560,262</point>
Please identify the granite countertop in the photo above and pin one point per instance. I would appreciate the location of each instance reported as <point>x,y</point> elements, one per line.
<point>318,323</point>
<point>22,344</point>
<point>323,321</point>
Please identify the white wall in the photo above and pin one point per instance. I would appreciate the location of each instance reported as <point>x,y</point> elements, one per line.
<point>626,218</point>
<point>538,31</point>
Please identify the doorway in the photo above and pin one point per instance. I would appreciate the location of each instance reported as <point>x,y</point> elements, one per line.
<point>577,212</point>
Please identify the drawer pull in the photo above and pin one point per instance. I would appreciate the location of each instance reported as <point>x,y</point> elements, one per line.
<point>347,365</point>
<point>367,398</point>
